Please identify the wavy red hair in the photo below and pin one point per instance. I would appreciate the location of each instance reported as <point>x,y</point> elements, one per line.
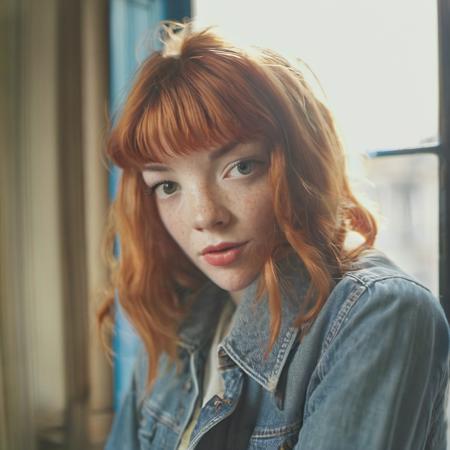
<point>205,93</point>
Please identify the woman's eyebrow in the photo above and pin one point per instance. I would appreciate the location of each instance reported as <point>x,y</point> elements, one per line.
<point>213,155</point>
<point>218,153</point>
<point>156,167</point>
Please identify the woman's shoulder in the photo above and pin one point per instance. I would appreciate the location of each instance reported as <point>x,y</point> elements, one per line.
<point>374,279</point>
<point>376,300</point>
<point>377,358</point>
<point>373,266</point>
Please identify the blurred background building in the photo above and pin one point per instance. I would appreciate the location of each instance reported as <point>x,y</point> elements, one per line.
<point>65,67</point>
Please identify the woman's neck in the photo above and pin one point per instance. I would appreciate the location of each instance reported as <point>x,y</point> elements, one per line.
<point>236,296</point>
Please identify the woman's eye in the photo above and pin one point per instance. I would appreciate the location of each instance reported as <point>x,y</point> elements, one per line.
<point>242,168</point>
<point>165,188</point>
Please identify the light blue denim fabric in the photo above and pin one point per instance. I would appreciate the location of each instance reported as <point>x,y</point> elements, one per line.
<point>371,373</point>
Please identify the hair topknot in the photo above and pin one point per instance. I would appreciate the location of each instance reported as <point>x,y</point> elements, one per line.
<point>172,35</point>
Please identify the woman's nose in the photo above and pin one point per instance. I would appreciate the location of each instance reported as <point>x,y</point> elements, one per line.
<point>209,211</point>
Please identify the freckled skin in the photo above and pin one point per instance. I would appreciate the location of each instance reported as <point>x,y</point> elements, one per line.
<point>214,202</point>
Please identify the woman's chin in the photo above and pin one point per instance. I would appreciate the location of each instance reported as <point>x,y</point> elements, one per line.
<point>233,283</point>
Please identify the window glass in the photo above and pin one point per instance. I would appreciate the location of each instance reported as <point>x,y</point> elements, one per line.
<point>403,192</point>
<point>377,61</point>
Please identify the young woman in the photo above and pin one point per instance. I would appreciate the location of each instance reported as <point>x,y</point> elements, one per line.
<point>261,327</point>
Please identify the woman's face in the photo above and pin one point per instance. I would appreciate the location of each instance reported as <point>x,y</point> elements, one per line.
<point>216,204</point>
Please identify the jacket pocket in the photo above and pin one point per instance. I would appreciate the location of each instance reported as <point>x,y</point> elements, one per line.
<point>157,431</point>
<point>271,438</point>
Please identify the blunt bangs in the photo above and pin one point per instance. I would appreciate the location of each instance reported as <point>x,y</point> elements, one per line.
<point>196,102</point>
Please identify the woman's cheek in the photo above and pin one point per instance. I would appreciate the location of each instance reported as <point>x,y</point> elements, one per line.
<point>167,217</point>
<point>173,216</point>
<point>259,199</point>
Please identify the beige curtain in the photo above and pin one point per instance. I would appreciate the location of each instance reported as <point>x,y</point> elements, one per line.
<point>55,381</point>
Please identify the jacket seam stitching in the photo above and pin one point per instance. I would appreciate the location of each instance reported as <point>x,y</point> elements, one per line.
<point>161,419</point>
<point>343,312</point>
<point>269,433</point>
<point>441,393</point>
<point>348,305</point>
<point>373,280</point>
<point>258,377</point>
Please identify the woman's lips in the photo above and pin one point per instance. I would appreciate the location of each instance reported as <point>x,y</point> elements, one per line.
<point>224,257</point>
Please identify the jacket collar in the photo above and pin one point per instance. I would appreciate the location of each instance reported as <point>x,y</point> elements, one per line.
<point>248,337</point>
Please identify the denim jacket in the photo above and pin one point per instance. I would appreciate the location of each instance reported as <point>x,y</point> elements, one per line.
<point>371,373</point>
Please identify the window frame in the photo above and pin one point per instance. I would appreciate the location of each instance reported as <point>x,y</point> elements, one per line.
<point>441,149</point>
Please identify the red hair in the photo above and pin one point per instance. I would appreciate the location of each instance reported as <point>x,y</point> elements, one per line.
<point>206,94</point>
